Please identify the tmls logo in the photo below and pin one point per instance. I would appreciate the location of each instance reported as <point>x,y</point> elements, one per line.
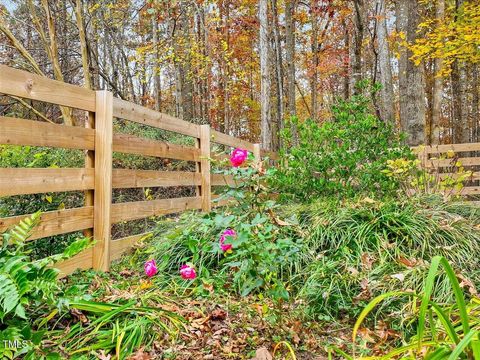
<point>15,344</point>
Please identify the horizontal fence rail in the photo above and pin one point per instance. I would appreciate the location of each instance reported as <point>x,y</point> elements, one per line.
<point>445,160</point>
<point>98,178</point>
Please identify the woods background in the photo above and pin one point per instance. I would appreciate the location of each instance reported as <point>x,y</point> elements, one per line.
<point>246,66</point>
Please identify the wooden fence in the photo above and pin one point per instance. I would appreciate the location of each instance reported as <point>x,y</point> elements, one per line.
<point>445,161</point>
<point>97,178</point>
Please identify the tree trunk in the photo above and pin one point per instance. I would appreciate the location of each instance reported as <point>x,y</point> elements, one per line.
<point>315,60</point>
<point>346,62</point>
<point>279,71</point>
<point>266,132</point>
<point>461,129</point>
<point>83,44</point>
<point>52,47</point>
<point>157,90</point>
<point>387,108</point>
<point>226,68</point>
<point>359,35</point>
<point>411,81</point>
<point>475,102</point>
<point>290,56</point>
<point>437,83</point>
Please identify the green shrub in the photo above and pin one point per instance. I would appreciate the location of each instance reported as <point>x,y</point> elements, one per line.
<point>343,157</point>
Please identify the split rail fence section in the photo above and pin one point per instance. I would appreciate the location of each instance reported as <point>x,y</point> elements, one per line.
<point>97,178</point>
<point>445,160</point>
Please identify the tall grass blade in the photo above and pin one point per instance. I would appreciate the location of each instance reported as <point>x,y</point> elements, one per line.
<point>462,345</point>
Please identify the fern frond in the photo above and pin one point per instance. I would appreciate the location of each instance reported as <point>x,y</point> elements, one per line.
<point>19,234</point>
<point>73,249</point>
<point>9,295</point>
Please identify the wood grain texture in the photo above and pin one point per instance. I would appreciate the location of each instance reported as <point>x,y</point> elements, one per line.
<point>224,139</point>
<point>135,145</point>
<point>89,164</point>
<point>119,247</point>
<point>15,131</point>
<point>143,209</point>
<point>30,86</point>
<point>436,149</point>
<point>54,222</point>
<point>467,161</point>
<point>103,180</point>
<point>142,115</point>
<point>205,187</point>
<point>126,178</point>
<point>257,154</point>
<point>22,181</point>
<point>470,190</point>
<point>474,176</point>
<point>82,261</point>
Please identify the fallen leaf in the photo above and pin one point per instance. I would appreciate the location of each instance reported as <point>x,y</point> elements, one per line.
<point>352,270</point>
<point>103,356</point>
<point>218,314</point>
<point>126,272</point>
<point>366,335</point>
<point>140,355</point>
<point>408,262</point>
<point>467,283</point>
<point>262,354</point>
<point>399,276</point>
<point>367,261</point>
<point>79,316</point>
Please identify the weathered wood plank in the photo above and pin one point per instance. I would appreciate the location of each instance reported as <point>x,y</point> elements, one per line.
<point>466,161</point>
<point>81,261</point>
<point>120,246</point>
<point>89,164</point>
<point>470,190</point>
<point>143,209</point>
<point>54,222</point>
<point>135,145</point>
<point>142,115</point>
<point>436,149</point>
<point>474,176</point>
<point>224,139</point>
<point>126,178</point>
<point>15,131</point>
<point>30,86</point>
<point>103,180</point>
<point>206,187</point>
<point>22,181</point>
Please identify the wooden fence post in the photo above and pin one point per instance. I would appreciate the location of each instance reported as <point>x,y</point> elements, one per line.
<point>89,164</point>
<point>206,186</point>
<point>103,180</point>
<point>257,153</point>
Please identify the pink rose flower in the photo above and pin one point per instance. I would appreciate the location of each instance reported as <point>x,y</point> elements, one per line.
<point>187,272</point>
<point>223,237</point>
<point>150,268</point>
<point>238,157</point>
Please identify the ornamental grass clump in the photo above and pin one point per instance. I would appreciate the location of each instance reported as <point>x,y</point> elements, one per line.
<point>443,331</point>
<point>361,248</point>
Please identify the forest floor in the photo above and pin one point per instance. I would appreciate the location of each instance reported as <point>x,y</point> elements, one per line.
<point>220,326</point>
